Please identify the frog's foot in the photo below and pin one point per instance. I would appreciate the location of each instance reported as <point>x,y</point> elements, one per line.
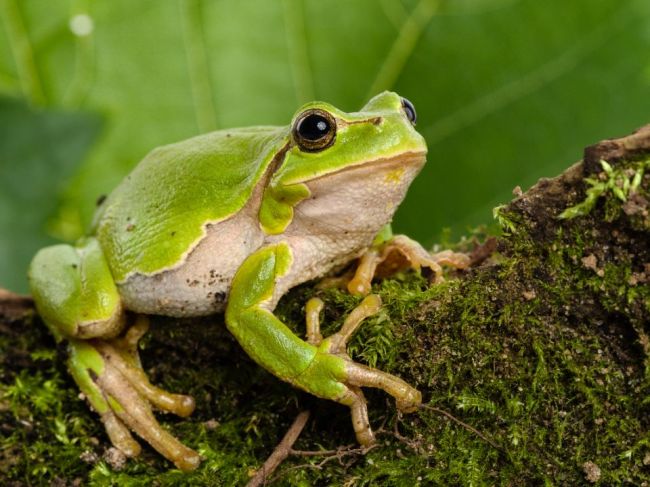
<point>399,253</point>
<point>111,377</point>
<point>357,375</point>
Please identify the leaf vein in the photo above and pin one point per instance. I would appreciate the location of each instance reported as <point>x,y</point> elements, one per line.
<point>403,46</point>
<point>197,64</point>
<point>23,53</point>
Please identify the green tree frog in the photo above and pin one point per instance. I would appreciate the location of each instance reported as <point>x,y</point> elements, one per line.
<point>228,222</point>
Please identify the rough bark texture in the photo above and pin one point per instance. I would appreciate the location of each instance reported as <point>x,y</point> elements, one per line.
<point>534,365</point>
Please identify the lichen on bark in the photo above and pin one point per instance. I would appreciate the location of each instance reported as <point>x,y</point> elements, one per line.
<point>540,352</point>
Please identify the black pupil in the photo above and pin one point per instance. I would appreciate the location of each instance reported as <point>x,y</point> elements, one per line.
<point>410,110</point>
<point>313,127</point>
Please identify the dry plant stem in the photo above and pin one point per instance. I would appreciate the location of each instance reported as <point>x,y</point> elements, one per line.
<point>339,452</point>
<point>281,451</point>
<point>463,424</point>
<point>316,453</point>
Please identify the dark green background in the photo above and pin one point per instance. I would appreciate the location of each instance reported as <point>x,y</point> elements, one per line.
<point>507,91</point>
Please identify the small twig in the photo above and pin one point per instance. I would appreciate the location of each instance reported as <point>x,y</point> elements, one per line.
<point>281,451</point>
<point>8,296</point>
<point>313,453</point>
<point>339,452</point>
<point>463,424</point>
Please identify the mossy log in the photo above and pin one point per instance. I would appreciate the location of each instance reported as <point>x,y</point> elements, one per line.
<point>533,364</point>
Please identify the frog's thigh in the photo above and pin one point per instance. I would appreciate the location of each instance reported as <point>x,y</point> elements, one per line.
<point>74,291</point>
<point>77,298</point>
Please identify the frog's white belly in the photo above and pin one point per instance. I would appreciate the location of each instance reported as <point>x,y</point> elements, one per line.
<point>199,285</point>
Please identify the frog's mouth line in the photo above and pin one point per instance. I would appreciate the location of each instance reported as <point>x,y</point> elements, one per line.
<point>402,159</point>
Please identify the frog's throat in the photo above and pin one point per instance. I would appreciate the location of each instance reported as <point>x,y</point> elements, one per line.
<point>279,200</point>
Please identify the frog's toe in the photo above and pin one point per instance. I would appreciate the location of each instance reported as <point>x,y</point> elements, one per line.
<point>357,376</point>
<point>120,435</point>
<point>360,420</point>
<point>408,398</point>
<point>409,401</point>
<point>122,353</point>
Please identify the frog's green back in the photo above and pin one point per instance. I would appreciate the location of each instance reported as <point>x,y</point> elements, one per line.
<point>158,213</point>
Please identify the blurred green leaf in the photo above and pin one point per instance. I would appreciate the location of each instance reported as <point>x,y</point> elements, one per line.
<point>506,90</point>
<point>39,152</point>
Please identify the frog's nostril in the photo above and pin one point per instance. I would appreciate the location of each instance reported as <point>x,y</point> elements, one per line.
<point>409,109</point>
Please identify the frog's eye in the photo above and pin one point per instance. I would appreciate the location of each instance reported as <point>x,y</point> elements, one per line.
<point>314,130</point>
<point>409,109</point>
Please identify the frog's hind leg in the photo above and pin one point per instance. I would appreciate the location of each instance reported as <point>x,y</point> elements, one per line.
<point>398,253</point>
<point>77,298</point>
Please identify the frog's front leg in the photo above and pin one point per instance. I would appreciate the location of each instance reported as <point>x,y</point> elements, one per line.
<point>319,366</point>
<point>397,253</point>
<point>77,298</point>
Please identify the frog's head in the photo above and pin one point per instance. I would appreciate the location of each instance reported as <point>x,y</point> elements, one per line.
<point>345,166</point>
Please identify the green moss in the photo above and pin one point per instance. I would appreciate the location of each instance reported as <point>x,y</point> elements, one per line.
<point>507,221</point>
<point>612,184</point>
